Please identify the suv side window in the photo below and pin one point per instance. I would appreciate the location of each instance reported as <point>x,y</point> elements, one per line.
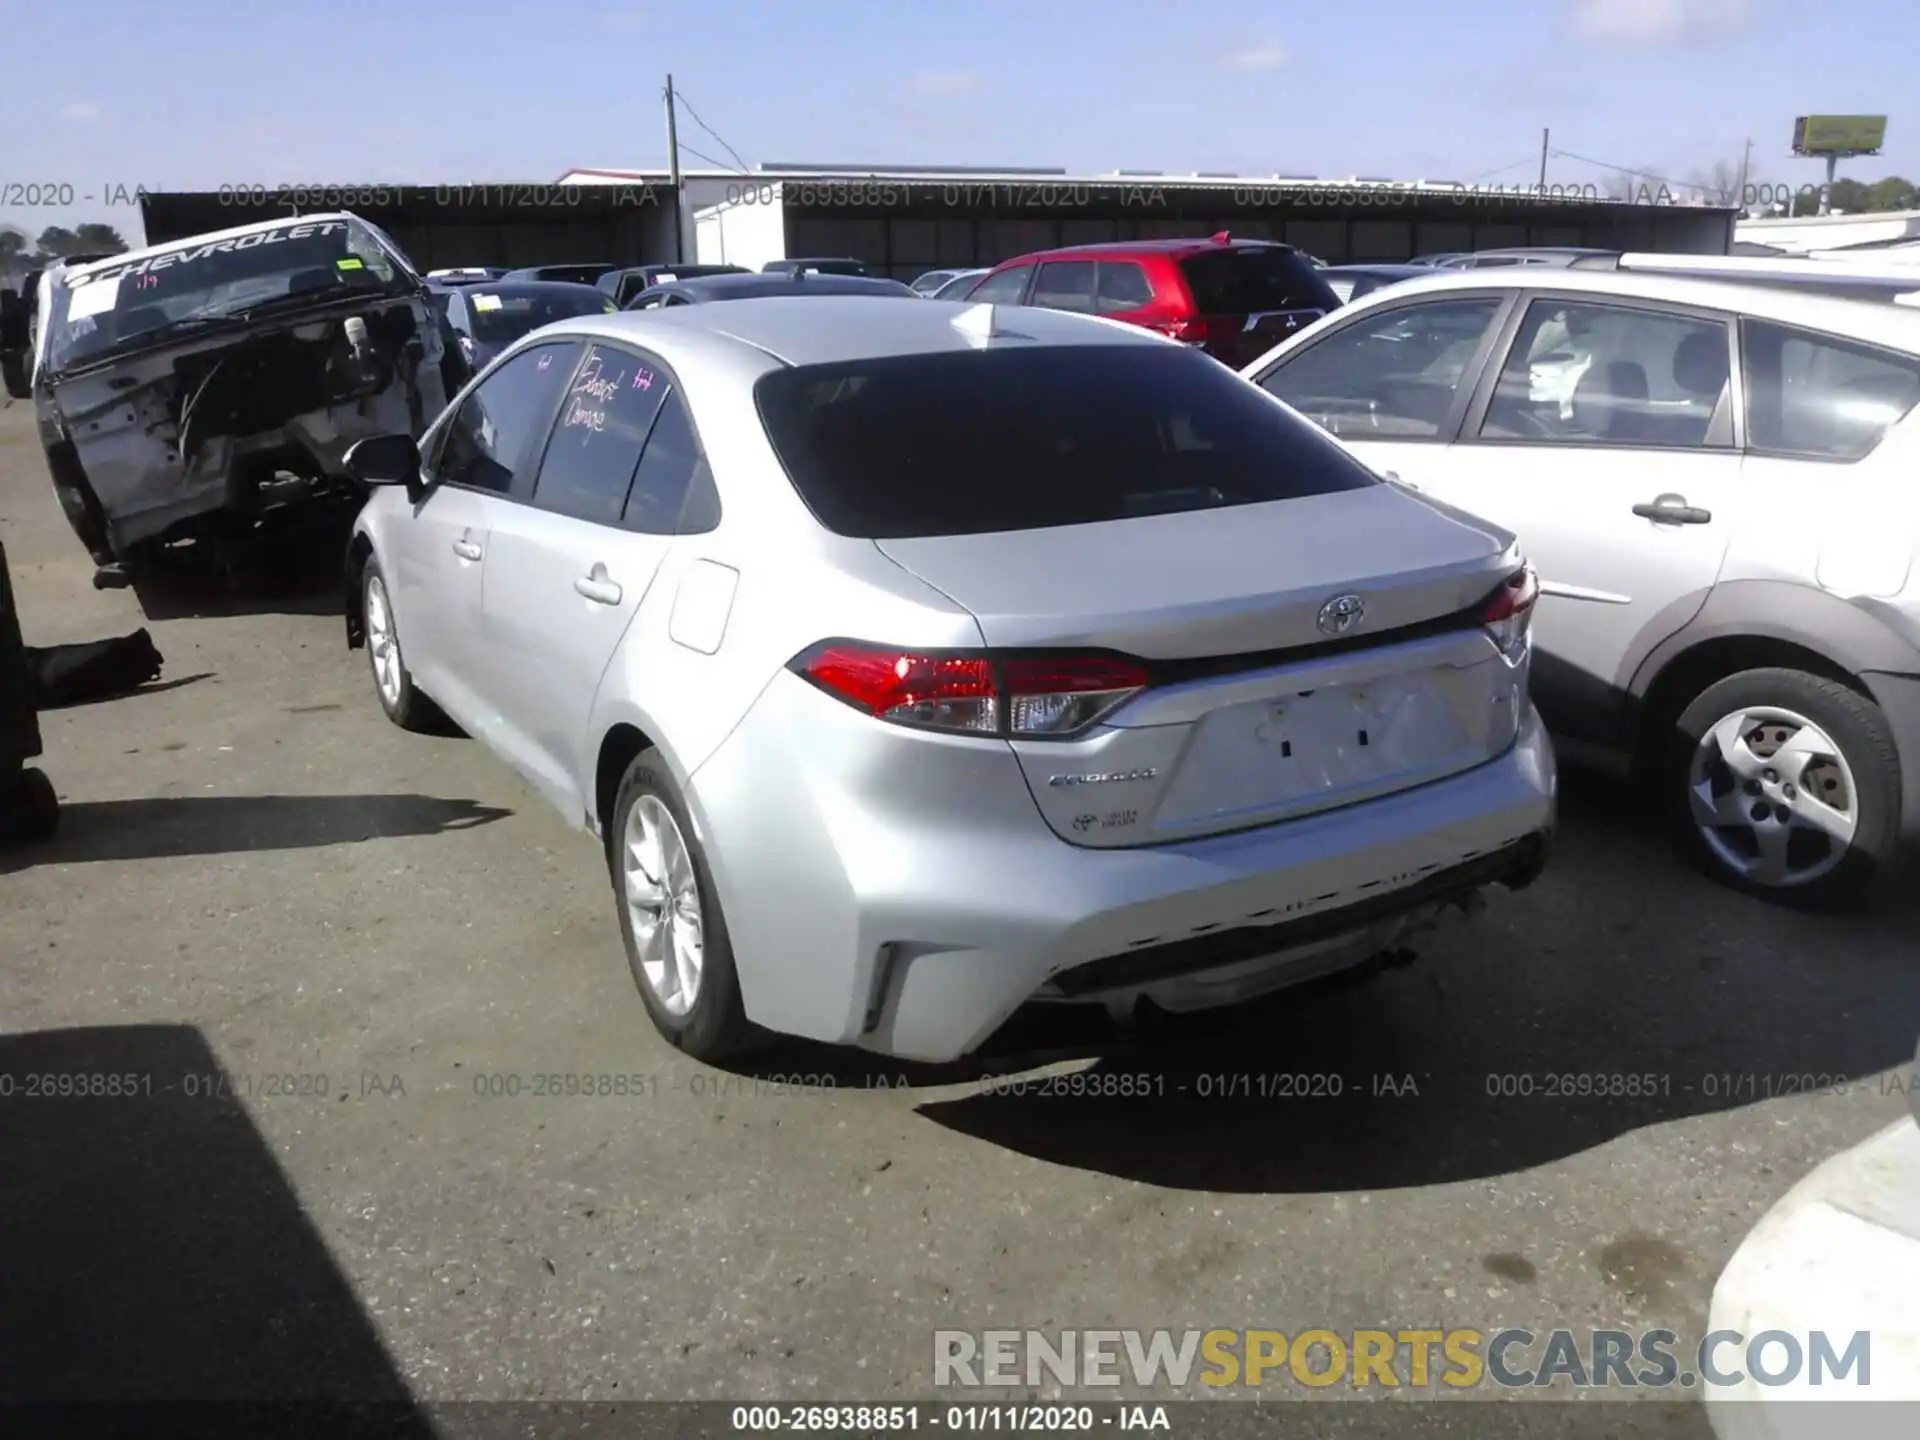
<point>1391,375</point>
<point>673,491</point>
<point>604,419</point>
<point>1123,286</point>
<point>1581,374</point>
<point>1821,396</point>
<point>1065,285</point>
<point>490,443</point>
<point>1002,289</point>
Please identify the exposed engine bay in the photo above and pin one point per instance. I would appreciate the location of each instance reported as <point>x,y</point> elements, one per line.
<point>235,425</point>
<point>190,391</point>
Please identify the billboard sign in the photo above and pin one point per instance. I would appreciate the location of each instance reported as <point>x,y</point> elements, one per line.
<point>1839,134</point>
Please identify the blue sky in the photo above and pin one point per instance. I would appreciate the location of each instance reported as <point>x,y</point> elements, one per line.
<point>197,93</point>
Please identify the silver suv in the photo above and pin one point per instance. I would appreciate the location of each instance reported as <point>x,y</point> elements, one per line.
<point>1718,486</point>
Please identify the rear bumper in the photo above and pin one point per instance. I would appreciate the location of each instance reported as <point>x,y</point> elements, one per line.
<point>913,915</point>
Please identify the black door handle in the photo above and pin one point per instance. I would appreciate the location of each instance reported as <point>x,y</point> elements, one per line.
<point>1673,510</point>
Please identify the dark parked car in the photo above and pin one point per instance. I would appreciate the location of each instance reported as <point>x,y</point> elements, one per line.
<point>753,287</point>
<point>1350,282</point>
<point>564,274</point>
<point>625,285</point>
<point>1234,299</point>
<point>480,321</point>
<point>841,266</point>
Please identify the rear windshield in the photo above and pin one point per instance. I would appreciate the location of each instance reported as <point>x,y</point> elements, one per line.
<point>1255,278</point>
<point>500,316</point>
<point>976,442</point>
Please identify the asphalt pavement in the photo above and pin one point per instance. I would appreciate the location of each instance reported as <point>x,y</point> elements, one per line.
<point>330,964</point>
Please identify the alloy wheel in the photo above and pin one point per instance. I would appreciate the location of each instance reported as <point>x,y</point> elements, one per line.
<point>663,905</point>
<point>1773,797</point>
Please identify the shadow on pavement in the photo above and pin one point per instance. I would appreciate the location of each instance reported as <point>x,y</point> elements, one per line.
<point>292,568</point>
<point>1621,991</point>
<point>154,1251</point>
<point>227,824</point>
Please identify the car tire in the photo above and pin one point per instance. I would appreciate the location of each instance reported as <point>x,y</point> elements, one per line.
<point>404,702</point>
<point>670,917</point>
<point>1755,825</point>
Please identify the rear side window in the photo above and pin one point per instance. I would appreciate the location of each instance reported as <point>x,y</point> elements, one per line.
<point>976,443</point>
<point>1253,279</point>
<point>1820,396</point>
<point>491,442</point>
<point>669,468</point>
<point>1123,286</point>
<point>604,419</point>
<point>1065,285</point>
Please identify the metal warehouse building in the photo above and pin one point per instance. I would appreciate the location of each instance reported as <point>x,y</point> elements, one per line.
<point>904,220</point>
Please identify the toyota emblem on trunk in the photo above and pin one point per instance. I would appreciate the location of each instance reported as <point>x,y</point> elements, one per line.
<point>1341,614</point>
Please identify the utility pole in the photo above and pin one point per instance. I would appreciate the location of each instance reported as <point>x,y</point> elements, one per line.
<point>673,169</point>
<point>1544,135</point>
<point>1746,159</point>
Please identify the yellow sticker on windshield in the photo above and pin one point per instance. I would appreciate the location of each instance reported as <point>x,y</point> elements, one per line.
<point>486,302</point>
<point>350,263</point>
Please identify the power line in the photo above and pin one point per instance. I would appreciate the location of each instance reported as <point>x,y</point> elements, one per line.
<point>717,164</point>
<point>694,115</point>
<point>1629,170</point>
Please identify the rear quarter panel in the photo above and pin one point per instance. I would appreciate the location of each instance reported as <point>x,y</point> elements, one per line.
<point>796,585</point>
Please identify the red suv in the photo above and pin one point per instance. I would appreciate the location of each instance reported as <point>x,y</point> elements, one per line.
<point>1235,299</point>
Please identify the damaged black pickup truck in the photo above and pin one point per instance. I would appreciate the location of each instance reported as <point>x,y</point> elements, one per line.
<point>186,389</point>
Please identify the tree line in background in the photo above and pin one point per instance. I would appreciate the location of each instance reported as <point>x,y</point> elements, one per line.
<point>20,253</point>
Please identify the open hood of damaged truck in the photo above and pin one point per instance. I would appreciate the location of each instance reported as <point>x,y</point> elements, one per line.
<point>176,430</point>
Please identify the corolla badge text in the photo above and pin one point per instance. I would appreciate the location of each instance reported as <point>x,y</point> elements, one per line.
<point>1101,777</point>
<point>1341,614</point>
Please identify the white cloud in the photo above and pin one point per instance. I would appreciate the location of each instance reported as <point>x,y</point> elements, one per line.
<point>1657,22</point>
<point>945,82</point>
<point>80,111</point>
<point>1262,56</point>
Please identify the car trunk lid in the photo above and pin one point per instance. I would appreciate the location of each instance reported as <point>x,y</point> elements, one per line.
<point>1304,654</point>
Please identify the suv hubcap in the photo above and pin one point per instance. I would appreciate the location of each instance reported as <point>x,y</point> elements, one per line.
<point>663,905</point>
<point>383,647</point>
<point>1773,796</point>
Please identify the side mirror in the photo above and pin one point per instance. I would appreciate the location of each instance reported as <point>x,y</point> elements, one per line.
<point>387,460</point>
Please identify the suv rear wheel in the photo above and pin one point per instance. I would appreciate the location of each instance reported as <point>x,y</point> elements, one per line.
<point>1785,785</point>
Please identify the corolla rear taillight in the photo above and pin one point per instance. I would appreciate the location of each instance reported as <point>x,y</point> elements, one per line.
<point>1033,695</point>
<point>1508,615</point>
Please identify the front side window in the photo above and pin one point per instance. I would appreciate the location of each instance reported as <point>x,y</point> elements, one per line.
<point>1391,375</point>
<point>1581,374</point>
<point>1026,439</point>
<point>1004,288</point>
<point>1821,396</point>
<point>604,419</point>
<point>489,442</point>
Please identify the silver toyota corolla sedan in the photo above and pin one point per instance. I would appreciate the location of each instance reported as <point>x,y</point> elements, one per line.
<point>915,662</point>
